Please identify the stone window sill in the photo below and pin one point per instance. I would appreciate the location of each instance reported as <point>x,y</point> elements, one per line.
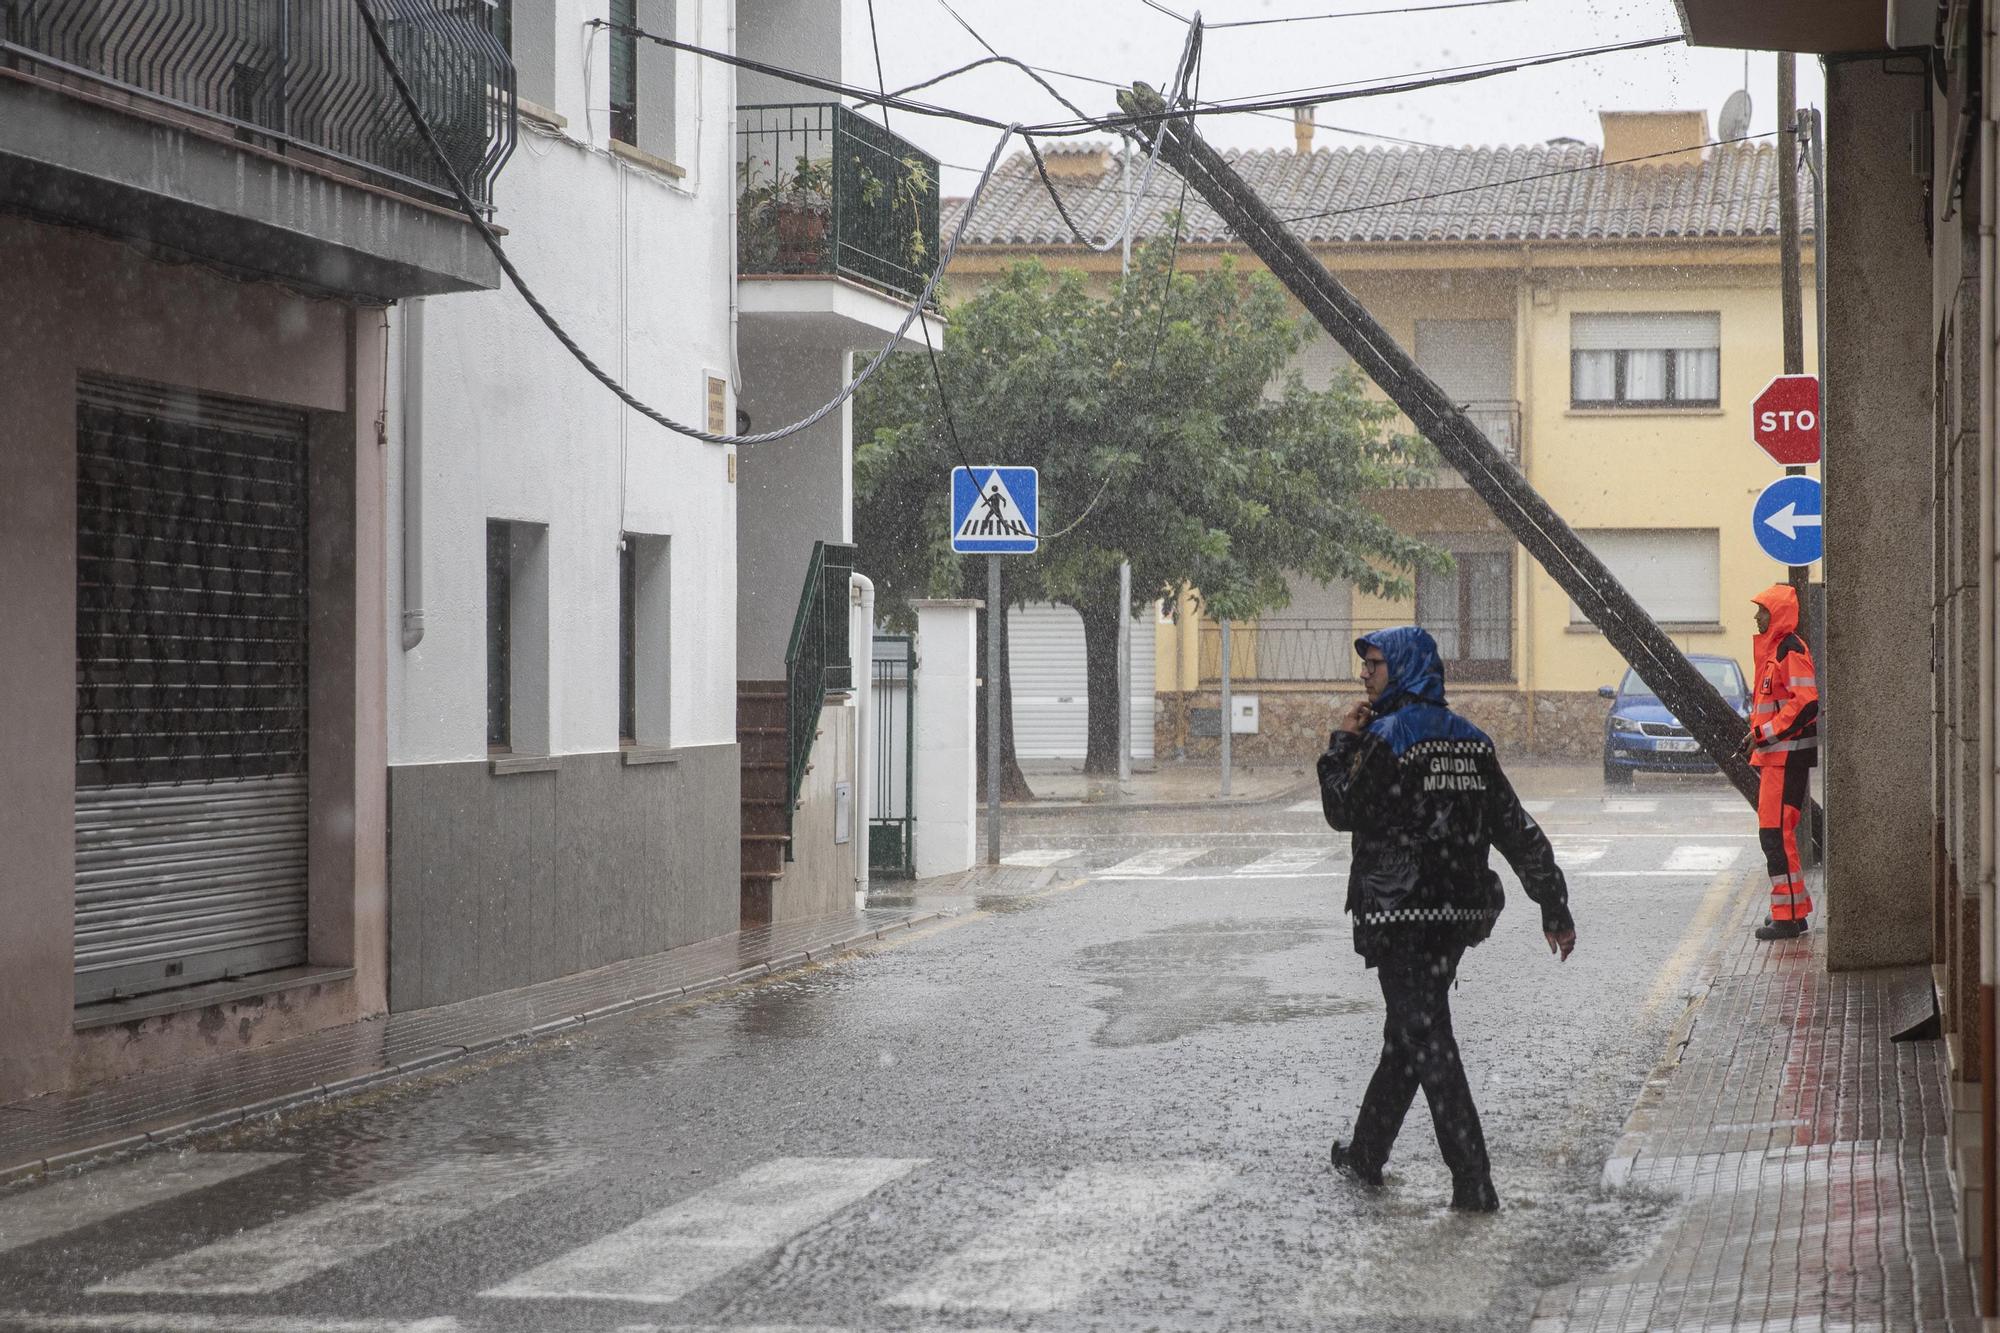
<point>501,765</point>
<point>632,756</point>
<point>639,157</point>
<point>1670,626</point>
<point>540,114</point>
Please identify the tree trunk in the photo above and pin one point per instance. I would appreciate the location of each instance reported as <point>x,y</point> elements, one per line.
<point>1013,783</point>
<point>1106,693</point>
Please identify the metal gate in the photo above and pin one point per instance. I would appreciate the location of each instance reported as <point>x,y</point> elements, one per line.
<point>191,689</point>
<point>892,821</point>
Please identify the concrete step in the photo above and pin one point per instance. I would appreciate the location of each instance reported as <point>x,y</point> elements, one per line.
<point>757,895</point>
<point>764,816</point>
<point>763,747</point>
<point>764,854</point>
<point>765,782</point>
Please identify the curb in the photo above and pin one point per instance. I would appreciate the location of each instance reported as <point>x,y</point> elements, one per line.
<point>20,1173</point>
<point>1298,791</point>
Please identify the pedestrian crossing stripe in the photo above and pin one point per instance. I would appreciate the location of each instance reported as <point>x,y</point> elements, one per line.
<point>1038,857</point>
<point>1312,807</point>
<point>1058,1245</point>
<point>688,1244</point>
<point>293,1248</point>
<point>1156,862</point>
<point>1286,860</point>
<point>1701,859</point>
<point>75,1202</point>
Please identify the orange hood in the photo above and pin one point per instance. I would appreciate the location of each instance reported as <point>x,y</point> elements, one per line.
<point>1783,603</point>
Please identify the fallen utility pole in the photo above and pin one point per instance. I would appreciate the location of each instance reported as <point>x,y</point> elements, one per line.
<point>1662,665</point>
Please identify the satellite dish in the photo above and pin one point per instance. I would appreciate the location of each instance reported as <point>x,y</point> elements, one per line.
<point>1734,122</point>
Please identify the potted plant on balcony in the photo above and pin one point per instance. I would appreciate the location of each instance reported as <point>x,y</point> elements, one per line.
<point>907,194</point>
<point>783,221</point>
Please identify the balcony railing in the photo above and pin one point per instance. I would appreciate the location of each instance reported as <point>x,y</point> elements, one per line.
<point>1277,651</point>
<point>1501,420</point>
<point>821,189</point>
<point>295,74</point>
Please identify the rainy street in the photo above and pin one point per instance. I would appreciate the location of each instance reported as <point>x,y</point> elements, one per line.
<point>1103,1104</point>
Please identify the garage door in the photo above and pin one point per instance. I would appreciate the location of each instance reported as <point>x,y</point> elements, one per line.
<point>191,689</point>
<point>1051,704</point>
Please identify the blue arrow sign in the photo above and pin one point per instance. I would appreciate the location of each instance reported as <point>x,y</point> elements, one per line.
<point>994,511</point>
<point>1786,520</point>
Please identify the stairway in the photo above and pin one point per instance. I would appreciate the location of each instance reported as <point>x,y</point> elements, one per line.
<point>760,736</point>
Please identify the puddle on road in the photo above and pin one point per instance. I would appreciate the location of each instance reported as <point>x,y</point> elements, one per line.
<point>1180,980</point>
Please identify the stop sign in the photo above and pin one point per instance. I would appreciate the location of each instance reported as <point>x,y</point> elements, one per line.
<point>1784,419</point>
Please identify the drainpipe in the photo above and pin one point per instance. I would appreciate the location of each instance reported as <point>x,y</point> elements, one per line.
<point>861,651</point>
<point>413,473</point>
<point>735,274</point>
<point>1989,208</point>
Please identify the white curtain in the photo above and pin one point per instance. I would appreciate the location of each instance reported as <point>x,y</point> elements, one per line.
<point>1437,609</point>
<point>1593,377</point>
<point>1645,376</point>
<point>1698,375</point>
<point>1492,612</point>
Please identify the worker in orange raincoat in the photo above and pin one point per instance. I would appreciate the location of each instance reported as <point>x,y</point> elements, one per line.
<point>1783,745</point>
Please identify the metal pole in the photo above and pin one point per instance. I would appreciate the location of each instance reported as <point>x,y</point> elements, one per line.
<point>994,610</point>
<point>1124,672</point>
<point>1228,707</point>
<point>1816,159</point>
<point>1790,299</point>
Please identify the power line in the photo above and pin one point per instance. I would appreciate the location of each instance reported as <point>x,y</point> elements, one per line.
<point>1364,13</point>
<point>492,241</point>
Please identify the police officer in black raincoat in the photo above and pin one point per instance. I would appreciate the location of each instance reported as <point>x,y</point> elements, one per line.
<point>1421,791</point>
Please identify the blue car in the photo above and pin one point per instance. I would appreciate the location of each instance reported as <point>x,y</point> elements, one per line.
<point>1642,734</point>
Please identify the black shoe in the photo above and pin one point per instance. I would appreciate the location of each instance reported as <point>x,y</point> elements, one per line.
<point>1345,1162</point>
<point>1475,1196</point>
<point>1782,930</point>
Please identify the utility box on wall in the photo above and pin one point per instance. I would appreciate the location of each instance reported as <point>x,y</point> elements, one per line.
<point>1243,715</point>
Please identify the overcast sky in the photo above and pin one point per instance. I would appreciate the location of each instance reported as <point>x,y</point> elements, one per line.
<point>1124,40</point>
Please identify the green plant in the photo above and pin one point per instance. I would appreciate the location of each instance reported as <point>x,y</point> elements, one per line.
<point>774,211</point>
<point>908,195</point>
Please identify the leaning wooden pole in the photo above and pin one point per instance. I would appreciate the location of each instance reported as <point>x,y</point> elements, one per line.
<point>1499,483</point>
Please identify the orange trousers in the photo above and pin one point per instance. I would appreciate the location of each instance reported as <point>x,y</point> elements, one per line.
<point>1781,800</point>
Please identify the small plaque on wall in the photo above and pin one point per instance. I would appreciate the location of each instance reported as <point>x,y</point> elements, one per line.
<point>718,405</point>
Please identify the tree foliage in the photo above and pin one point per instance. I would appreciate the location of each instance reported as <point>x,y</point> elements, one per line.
<point>1168,431</point>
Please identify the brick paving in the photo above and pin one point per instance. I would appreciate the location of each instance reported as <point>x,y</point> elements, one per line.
<point>52,1132</point>
<point>1808,1152</point>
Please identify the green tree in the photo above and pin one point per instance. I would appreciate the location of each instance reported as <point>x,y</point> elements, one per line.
<point>1168,432</point>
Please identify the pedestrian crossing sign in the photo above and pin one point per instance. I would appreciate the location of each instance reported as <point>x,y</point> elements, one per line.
<point>994,511</point>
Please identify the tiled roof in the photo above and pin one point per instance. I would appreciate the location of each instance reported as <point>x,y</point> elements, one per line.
<point>1546,192</point>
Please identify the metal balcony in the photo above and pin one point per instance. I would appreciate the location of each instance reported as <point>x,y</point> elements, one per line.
<point>299,76</point>
<point>823,190</point>
<point>1500,419</point>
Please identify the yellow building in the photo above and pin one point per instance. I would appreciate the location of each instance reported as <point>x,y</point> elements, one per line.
<point>1606,314</point>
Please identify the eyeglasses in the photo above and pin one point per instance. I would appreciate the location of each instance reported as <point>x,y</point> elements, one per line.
<point>1368,665</point>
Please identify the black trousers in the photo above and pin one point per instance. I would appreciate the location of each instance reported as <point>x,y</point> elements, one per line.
<point>1419,1050</point>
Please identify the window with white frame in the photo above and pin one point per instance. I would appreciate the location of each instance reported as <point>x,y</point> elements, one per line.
<point>645,607</point>
<point>1469,608</point>
<point>1646,359</point>
<point>517,637</point>
<point>1674,573</point>
<point>642,77</point>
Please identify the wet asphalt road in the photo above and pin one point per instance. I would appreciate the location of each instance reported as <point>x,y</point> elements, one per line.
<point>1105,1106</point>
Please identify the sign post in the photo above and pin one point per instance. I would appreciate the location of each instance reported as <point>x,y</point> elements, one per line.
<point>995,511</point>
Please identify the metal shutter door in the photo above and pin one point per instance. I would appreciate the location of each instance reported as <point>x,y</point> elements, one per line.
<point>191,810</point>
<point>1046,664</point>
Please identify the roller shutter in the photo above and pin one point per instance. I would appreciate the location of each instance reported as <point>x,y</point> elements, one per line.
<point>191,794</point>
<point>1047,672</point>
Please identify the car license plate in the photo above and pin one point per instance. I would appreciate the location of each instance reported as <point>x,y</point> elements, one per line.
<point>1680,746</point>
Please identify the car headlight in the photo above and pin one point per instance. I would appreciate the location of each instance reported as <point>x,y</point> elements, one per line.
<point>1623,723</point>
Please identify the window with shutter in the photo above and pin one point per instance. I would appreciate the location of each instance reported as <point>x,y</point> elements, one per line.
<point>1646,359</point>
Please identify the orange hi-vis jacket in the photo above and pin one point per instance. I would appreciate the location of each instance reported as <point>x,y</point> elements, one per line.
<point>1784,708</point>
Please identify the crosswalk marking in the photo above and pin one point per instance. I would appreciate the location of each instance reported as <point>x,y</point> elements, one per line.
<point>1286,860</point>
<point>1627,805</point>
<point>81,1201</point>
<point>665,1255</point>
<point>1158,861</point>
<point>1702,859</point>
<point>1735,807</point>
<point>292,1249</point>
<point>1092,1223</point>
<point>1038,856</point>
<point>1578,853</point>
<point>1538,807</point>
<point>1312,807</point>
<point>186,1321</point>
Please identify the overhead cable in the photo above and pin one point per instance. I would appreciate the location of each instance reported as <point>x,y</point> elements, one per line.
<point>486,233</point>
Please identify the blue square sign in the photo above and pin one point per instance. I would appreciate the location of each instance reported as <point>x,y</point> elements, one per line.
<point>995,511</point>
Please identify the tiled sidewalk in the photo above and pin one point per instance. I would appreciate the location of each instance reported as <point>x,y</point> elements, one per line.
<point>51,1132</point>
<point>1809,1155</point>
